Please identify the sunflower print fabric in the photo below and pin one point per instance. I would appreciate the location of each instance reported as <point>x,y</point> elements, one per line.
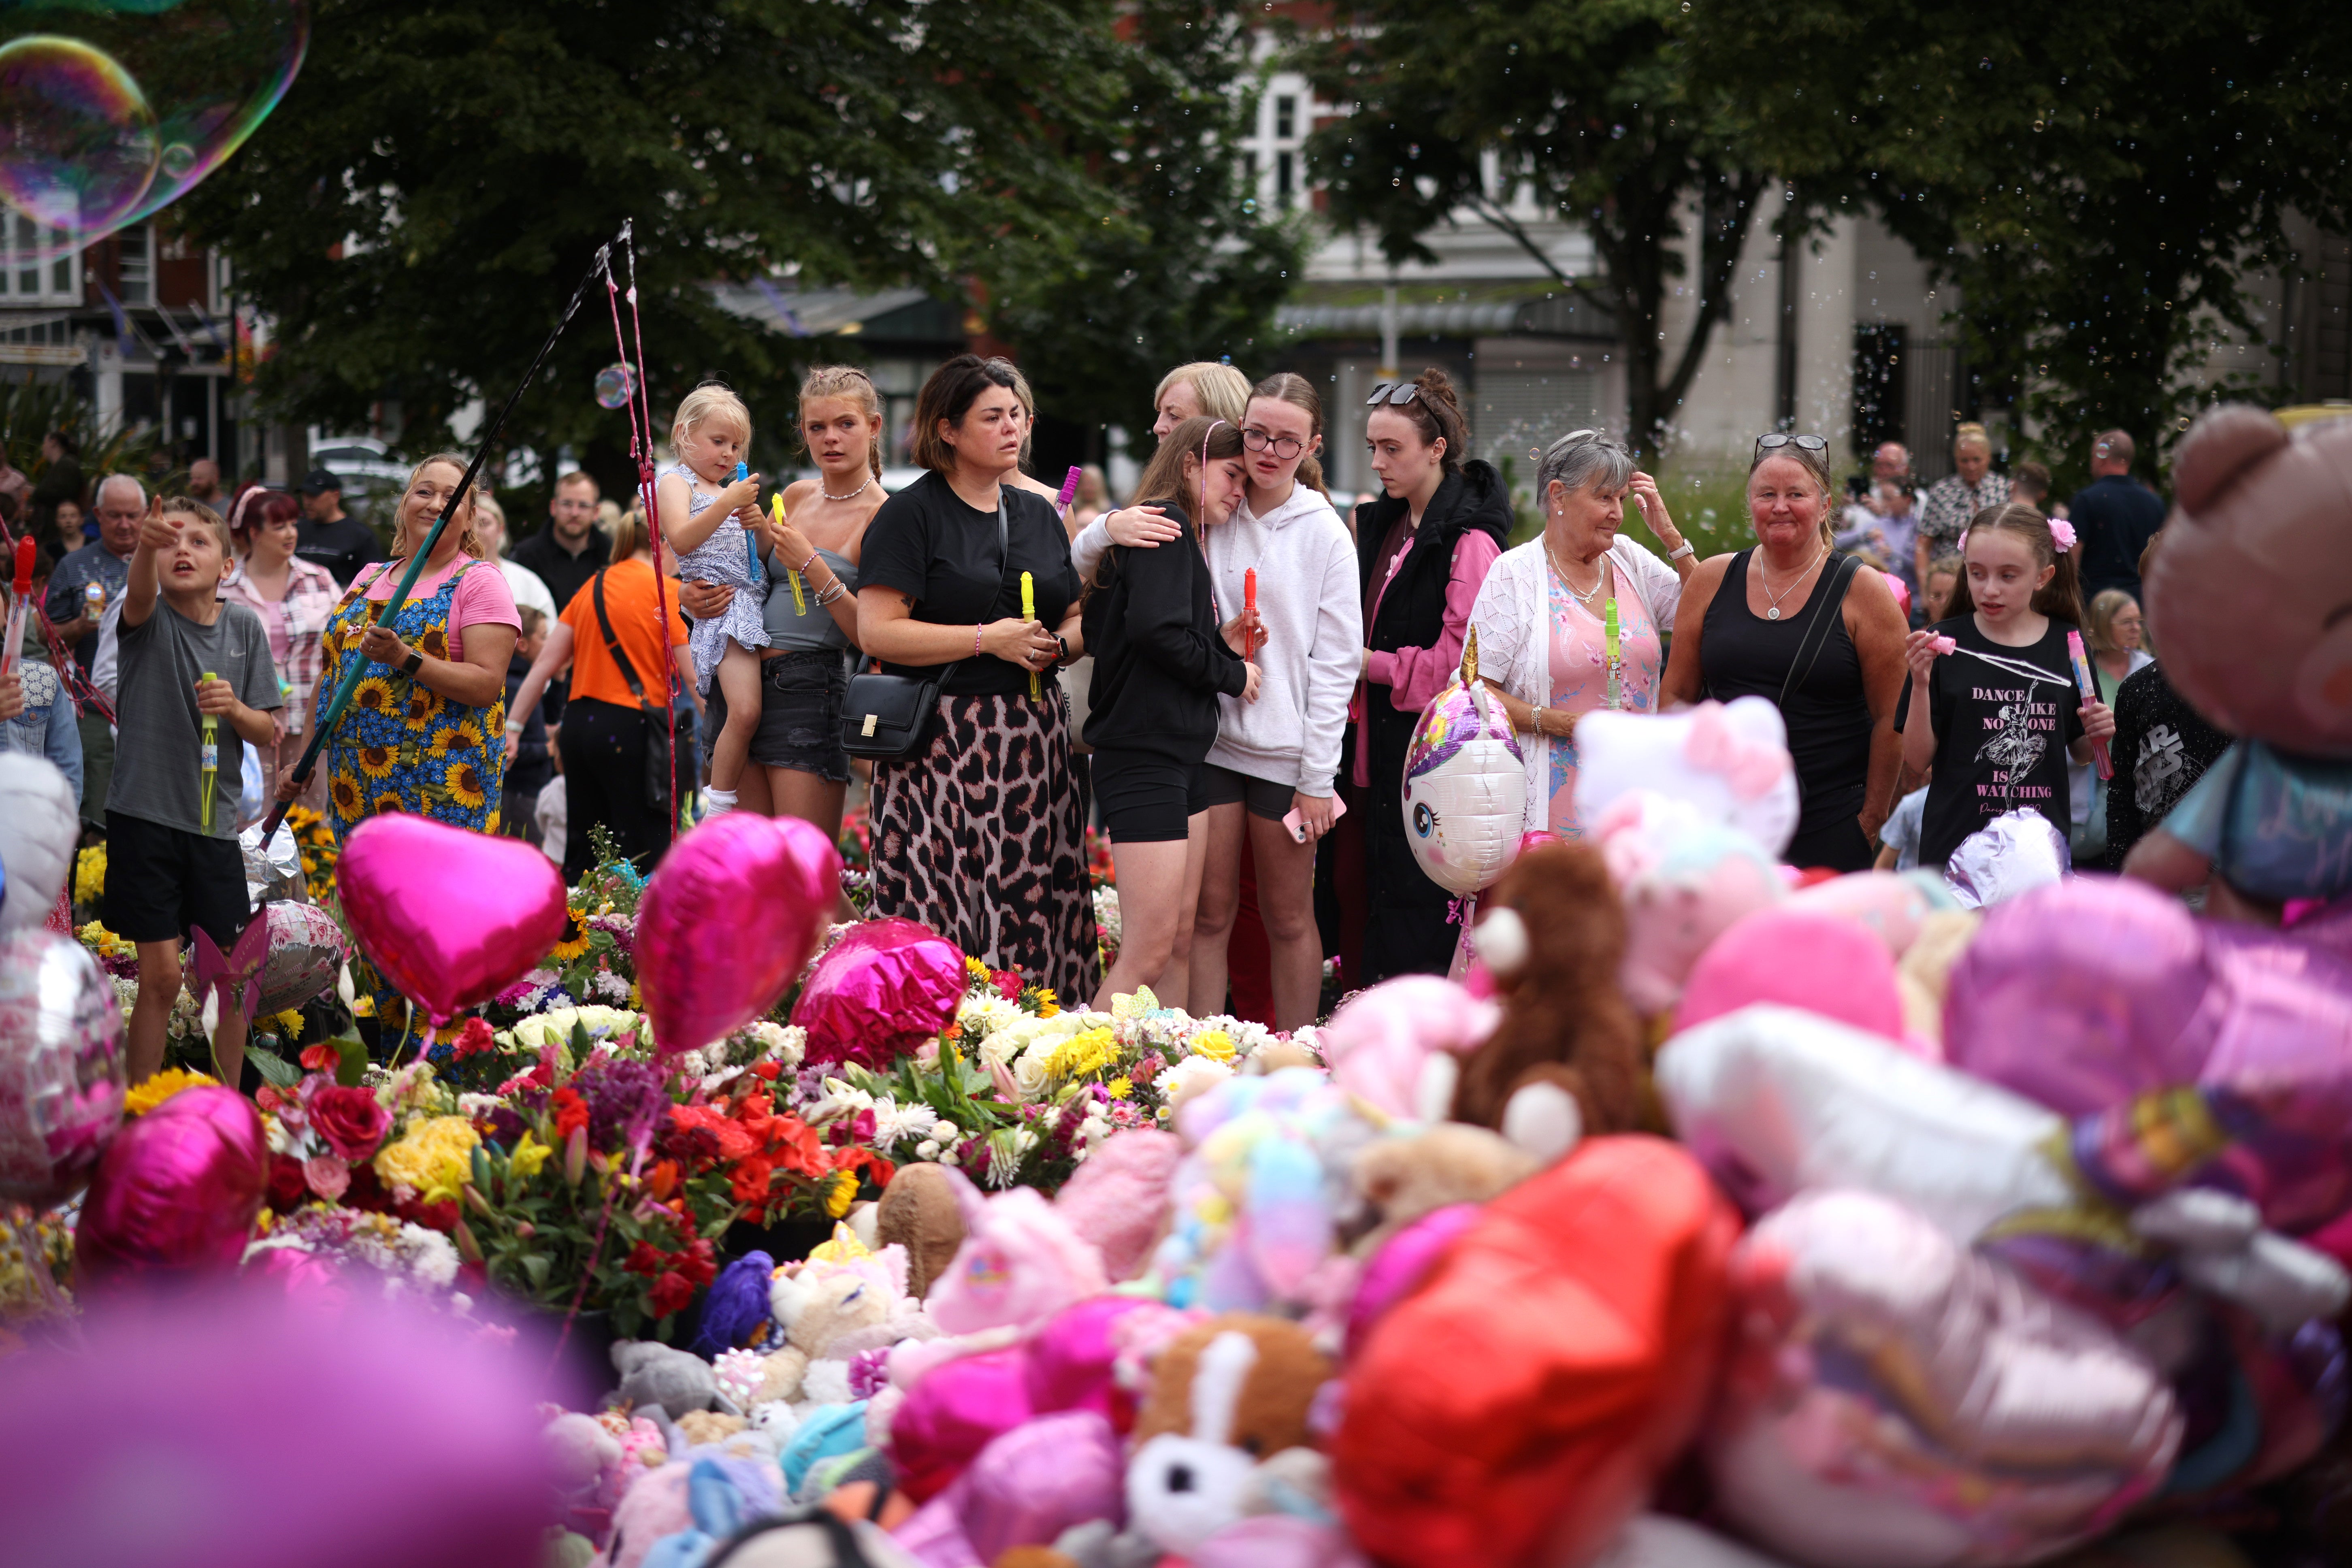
<point>401,747</point>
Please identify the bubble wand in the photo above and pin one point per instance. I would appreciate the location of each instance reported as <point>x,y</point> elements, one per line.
<point>1029,613</point>
<point>1069,493</point>
<point>1609,635</point>
<point>2083,677</point>
<point>751,545</point>
<point>791,574</point>
<point>1249,604</point>
<point>23,586</point>
<point>211,765</point>
<point>357,668</point>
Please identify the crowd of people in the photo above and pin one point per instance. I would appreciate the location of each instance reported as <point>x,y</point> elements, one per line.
<point>1224,673</point>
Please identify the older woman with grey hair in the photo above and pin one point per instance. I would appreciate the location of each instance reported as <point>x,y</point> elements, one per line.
<point>1545,613</point>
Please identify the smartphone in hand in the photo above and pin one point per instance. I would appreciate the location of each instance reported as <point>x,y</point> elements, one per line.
<point>1298,829</point>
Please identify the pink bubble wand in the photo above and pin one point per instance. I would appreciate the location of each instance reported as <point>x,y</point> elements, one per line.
<point>2090,688</point>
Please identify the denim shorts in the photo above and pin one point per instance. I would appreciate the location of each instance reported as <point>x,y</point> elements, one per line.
<point>801,698</point>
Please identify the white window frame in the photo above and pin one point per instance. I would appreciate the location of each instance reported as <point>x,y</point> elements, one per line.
<point>56,281</point>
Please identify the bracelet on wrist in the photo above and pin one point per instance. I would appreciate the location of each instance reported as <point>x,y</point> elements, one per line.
<point>976,634</point>
<point>803,567</point>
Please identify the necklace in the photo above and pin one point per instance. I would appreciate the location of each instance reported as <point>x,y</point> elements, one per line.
<point>851,496</point>
<point>1773,613</point>
<point>1585,598</point>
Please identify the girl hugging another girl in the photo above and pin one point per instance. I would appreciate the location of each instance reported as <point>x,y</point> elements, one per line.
<point>707,516</point>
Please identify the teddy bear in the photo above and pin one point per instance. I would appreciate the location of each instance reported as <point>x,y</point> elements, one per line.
<point>1553,936</point>
<point>1420,1171</point>
<point>2248,599</point>
<point>1232,1400</point>
<point>920,1212</point>
<point>842,1301</point>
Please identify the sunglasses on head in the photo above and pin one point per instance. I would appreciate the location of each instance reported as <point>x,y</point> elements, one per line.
<point>1396,393</point>
<point>1780,438</point>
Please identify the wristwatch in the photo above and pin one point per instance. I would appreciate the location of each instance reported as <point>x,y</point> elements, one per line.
<point>412,663</point>
<point>1684,548</point>
<point>1063,644</point>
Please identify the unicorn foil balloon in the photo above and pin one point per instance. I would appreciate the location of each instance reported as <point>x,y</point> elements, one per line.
<point>1466,785</point>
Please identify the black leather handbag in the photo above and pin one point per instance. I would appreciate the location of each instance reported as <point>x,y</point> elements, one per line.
<point>883,716</point>
<point>660,780</point>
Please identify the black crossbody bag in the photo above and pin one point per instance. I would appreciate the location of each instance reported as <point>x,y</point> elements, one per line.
<point>659,783</point>
<point>883,716</point>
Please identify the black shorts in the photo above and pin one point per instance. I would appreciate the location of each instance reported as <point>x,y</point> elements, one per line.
<point>161,881</point>
<point>1147,799</point>
<point>1263,797</point>
<point>801,695</point>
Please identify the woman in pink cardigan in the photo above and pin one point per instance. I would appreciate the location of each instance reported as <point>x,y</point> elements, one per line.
<point>1422,551</point>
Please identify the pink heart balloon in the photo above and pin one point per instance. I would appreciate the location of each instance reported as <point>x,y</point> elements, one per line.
<point>727,921</point>
<point>174,1194</point>
<point>449,916</point>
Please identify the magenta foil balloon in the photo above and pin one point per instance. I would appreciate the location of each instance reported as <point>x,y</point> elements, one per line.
<point>955,1410</point>
<point>878,992</point>
<point>727,921</point>
<point>60,1067</point>
<point>175,1194</point>
<point>1400,1264</point>
<point>449,916</point>
<point>2081,994</point>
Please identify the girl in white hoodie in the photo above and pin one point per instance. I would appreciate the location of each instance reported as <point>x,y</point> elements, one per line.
<point>1278,754</point>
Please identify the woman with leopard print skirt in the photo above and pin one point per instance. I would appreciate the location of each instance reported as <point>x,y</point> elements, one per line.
<point>979,833</point>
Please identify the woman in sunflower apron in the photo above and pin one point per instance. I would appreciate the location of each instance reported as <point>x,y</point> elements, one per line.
<point>426,729</point>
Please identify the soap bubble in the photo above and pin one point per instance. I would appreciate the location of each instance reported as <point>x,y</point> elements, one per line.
<point>78,146</point>
<point>616,384</point>
<point>203,74</point>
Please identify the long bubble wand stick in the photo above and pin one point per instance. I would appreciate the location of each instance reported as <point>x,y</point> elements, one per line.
<point>1029,613</point>
<point>341,698</point>
<point>791,574</point>
<point>1069,493</point>
<point>1609,632</point>
<point>751,545</point>
<point>210,765</point>
<point>24,591</point>
<point>2090,690</point>
<point>1249,607</point>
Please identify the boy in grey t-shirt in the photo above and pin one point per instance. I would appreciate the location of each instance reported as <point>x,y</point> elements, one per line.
<point>173,860</point>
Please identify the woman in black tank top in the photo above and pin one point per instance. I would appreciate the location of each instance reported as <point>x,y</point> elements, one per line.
<point>1840,708</point>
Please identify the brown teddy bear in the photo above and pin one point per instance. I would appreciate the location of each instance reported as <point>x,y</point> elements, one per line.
<point>919,1211</point>
<point>1552,936</point>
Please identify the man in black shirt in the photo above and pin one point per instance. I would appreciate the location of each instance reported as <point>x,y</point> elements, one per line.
<point>570,549</point>
<point>2114,516</point>
<point>327,537</point>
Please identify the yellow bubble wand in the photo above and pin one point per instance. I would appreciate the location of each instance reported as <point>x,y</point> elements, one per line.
<point>800,599</point>
<point>1609,633</point>
<point>211,763</point>
<point>1029,613</point>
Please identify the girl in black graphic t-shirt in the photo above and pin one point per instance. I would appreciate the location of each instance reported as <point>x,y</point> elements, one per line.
<point>1991,701</point>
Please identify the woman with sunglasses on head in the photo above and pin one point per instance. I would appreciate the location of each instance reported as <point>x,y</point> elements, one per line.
<point>1545,613</point>
<point>1280,755</point>
<point>1164,653</point>
<point>1743,629</point>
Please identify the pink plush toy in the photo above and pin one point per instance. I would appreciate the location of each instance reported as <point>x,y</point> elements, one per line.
<point>1021,1262</point>
<point>1892,904</point>
<point>1398,1046</point>
<point>1685,879</point>
<point>1026,1487</point>
<point>1115,1199</point>
<point>1800,958</point>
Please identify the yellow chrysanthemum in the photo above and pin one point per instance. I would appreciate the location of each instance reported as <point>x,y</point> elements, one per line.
<point>89,874</point>
<point>375,762</point>
<point>844,1194</point>
<point>465,782</point>
<point>1215,1043</point>
<point>375,695</point>
<point>349,798</point>
<point>161,1087</point>
<point>1083,1055</point>
<point>433,1157</point>
<point>1119,1088</point>
<point>529,1156</point>
<point>291,1022</point>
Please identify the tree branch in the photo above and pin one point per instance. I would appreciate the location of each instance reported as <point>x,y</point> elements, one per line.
<point>1492,213</point>
<point>1720,242</point>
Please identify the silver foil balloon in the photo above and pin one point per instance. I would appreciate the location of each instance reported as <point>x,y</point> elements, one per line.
<point>272,870</point>
<point>2015,853</point>
<point>306,953</point>
<point>61,1068</point>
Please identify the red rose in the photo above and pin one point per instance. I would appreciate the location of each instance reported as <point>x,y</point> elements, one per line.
<point>352,1120</point>
<point>671,1292</point>
<point>571,1112</point>
<point>751,1178</point>
<point>696,1262</point>
<point>287,1184</point>
<point>474,1039</point>
<point>1008,985</point>
<point>320,1058</point>
<point>645,1259</point>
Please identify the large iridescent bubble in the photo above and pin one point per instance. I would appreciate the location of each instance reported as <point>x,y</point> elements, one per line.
<point>616,384</point>
<point>112,110</point>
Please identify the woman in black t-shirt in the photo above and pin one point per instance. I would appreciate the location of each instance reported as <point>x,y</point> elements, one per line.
<point>1991,701</point>
<point>979,833</point>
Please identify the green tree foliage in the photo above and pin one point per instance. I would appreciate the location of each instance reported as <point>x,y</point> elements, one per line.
<point>1181,267</point>
<point>2099,181</point>
<point>1591,104</point>
<point>420,205</point>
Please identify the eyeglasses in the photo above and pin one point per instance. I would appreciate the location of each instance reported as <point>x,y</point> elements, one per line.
<point>1396,393</point>
<point>1283,446</point>
<point>1781,438</point>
